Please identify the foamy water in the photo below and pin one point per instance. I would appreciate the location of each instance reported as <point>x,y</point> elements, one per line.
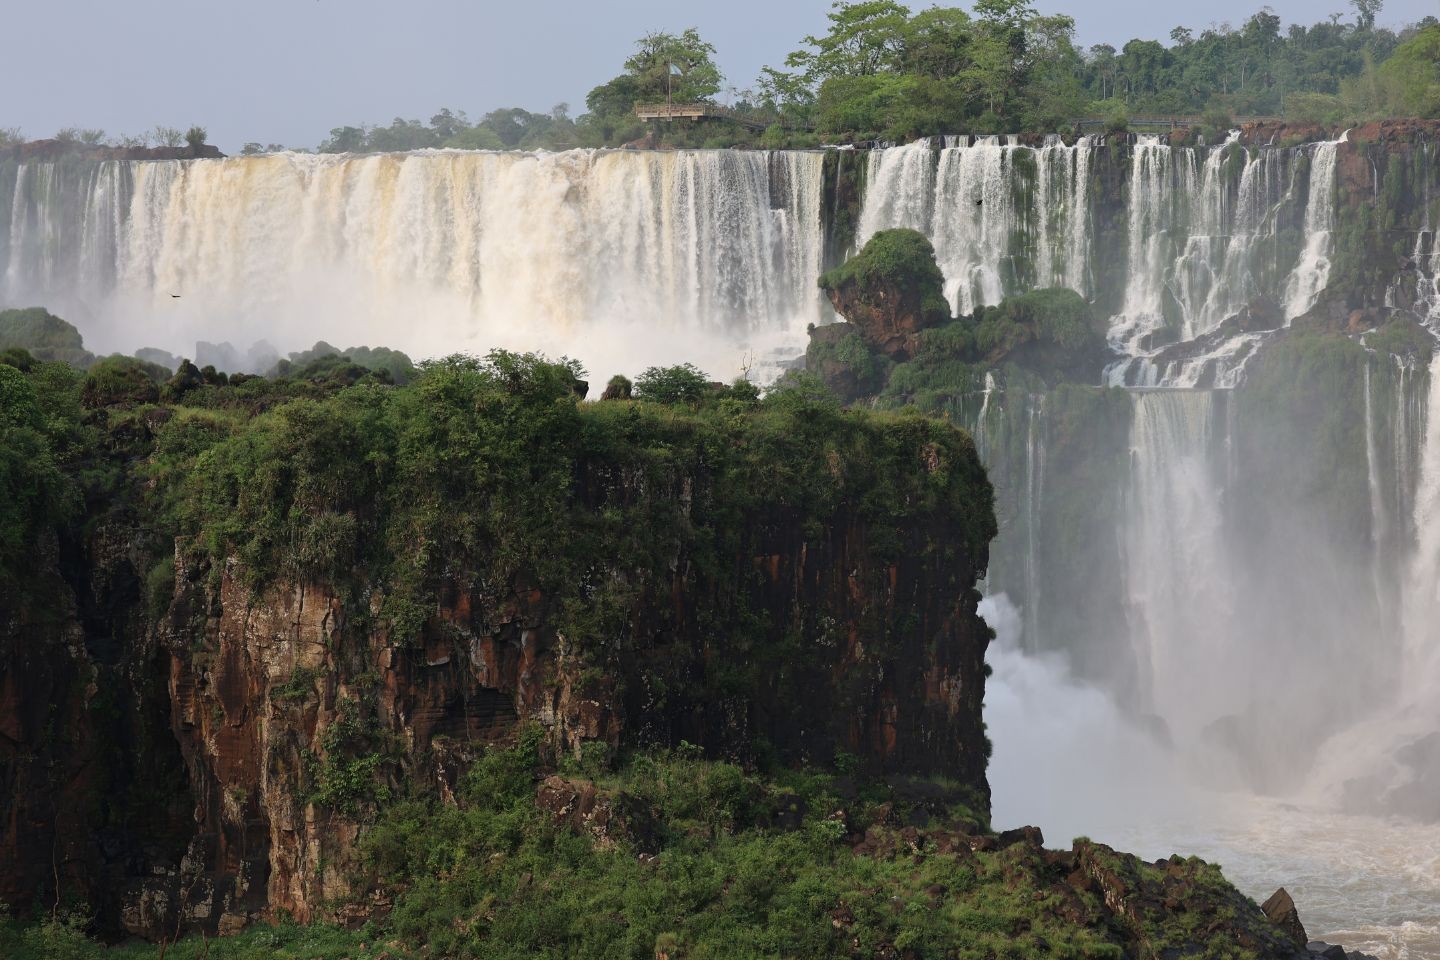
<point>1066,760</point>
<point>1371,884</point>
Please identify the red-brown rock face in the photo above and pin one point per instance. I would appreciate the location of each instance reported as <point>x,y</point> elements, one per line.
<point>213,763</point>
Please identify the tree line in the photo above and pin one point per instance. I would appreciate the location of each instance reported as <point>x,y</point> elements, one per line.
<point>879,70</point>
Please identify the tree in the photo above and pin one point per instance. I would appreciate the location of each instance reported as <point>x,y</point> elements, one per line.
<point>1410,79</point>
<point>478,137</point>
<point>864,38</point>
<point>344,140</point>
<point>195,138</point>
<point>937,42</point>
<point>88,136</point>
<point>682,384</point>
<point>1365,11</point>
<point>1000,49</point>
<point>684,66</point>
<point>167,136</point>
<point>447,125</point>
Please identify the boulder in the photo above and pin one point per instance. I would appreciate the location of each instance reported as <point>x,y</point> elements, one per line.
<point>1281,911</point>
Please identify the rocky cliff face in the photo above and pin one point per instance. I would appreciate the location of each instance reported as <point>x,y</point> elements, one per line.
<point>210,754</point>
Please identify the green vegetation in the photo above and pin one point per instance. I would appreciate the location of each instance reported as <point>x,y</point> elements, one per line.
<point>901,260</point>
<point>64,938</point>
<point>714,861</point>
<point>323,360</point>
<point>121,382</point>
<point>1051,331</point>
<point>1407,84</point>
<point>1044,337</point>
<point>39,417</point>
<point>682,384</point>
<point>43,335</point>
<point>504,129</point>
<point>882,70</point>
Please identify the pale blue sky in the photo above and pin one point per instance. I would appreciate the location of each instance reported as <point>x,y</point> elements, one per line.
<point>288,70</point>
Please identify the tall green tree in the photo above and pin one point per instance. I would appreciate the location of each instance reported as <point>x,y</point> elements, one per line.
<point>683,64</point>
<point>864,38</point>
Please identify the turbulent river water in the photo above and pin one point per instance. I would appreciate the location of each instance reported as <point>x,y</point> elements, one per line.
<point>1068,760</point>
<point>1194,653</point>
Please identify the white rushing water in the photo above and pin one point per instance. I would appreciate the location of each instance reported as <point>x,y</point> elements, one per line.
<point>1003,217</point>
<point>1200,226</point>
<point>1068,760</point>
<point>622,259</point>
<point>1179,599</point>
<point>1312,272</point>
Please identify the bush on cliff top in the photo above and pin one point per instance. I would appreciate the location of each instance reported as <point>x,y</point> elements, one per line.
<point>478,463</point>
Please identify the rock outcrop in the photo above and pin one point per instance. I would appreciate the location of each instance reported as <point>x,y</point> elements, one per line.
<point>1280,908</point>
<point>890,291</point>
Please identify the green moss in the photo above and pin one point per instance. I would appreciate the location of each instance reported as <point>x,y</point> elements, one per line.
<point>1402,337</point>
<point>902,260</point>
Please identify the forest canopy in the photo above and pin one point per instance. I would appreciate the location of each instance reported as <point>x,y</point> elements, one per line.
<point>879,69</point>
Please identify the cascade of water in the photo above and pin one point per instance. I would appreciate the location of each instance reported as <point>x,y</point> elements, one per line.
<point>972,225</point>
<point>900,190</point>
<point>1378,527</point>
<point>1151,203</point>
<point>18,222</point>
<point>1003,217</point>
<point>700,255</point>
<point>1312,271</point>
<point>1034,489</point>
<point>1175,560</point>
<point>1200,270</point>
<point>981,428</point>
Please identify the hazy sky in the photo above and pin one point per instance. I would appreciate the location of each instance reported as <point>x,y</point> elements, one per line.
<point>288,70</point>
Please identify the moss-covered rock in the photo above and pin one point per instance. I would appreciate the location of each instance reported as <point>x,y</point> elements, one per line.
<point>44,335</point>
<point>890,291</point>
<point>1052,332</point>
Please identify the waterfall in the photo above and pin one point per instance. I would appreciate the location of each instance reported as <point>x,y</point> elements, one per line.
<point>708,256</point>
<point>1199,226</point>
<point>1312,271</point>
<point>1151,204</point>
<point>626,258</point>
<point>1003,217</point>
<point>1176,572</point>
<point>900,190</point>
<point>1034,490</point>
